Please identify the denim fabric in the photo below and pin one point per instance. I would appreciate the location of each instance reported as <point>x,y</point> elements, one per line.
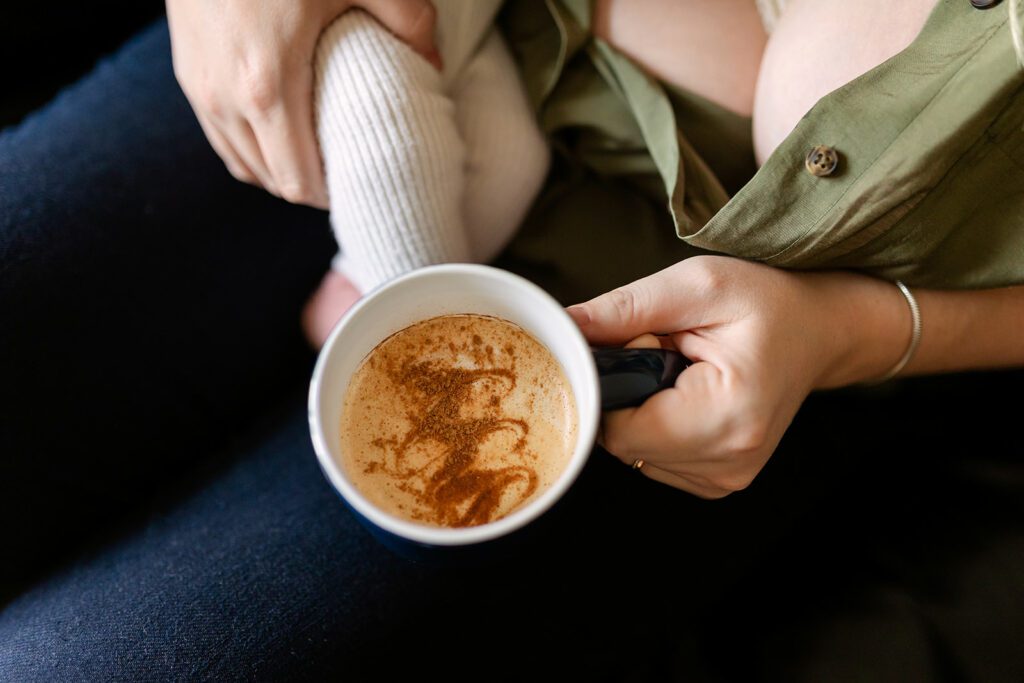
<point>44,46</point>
<point>165,519</point>
<point>149,302</point>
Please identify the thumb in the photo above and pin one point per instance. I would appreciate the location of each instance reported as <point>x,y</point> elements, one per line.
<point>412,21</point>
<point>668,301</point>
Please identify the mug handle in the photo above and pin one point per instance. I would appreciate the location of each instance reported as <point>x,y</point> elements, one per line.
<point>628,377</point>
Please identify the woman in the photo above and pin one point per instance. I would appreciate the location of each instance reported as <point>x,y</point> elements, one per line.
<point>769,337</point>
<point>252,569</point>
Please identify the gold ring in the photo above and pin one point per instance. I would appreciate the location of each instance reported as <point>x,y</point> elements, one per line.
<point>638,464</point>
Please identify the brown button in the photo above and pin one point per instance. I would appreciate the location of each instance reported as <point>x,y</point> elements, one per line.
<point>985,4</point>
<point>822,161</point>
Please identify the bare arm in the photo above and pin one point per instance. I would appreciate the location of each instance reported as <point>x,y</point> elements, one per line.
<point>761,340</point>
<point>961,330</point>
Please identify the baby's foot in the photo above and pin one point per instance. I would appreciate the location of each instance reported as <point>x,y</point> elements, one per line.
<point>333,297</point>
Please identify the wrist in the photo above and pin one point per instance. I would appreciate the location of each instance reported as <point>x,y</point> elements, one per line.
<point>867,327</point>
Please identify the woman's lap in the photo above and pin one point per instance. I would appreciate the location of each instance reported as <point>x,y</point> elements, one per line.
<point>260,571</point>
<point>149,302</point>
<point>153,317</point>
<point>257,569</point>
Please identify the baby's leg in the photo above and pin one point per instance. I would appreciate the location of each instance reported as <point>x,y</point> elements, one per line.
<point>392,150</point>
<point>506,155</point>
<point>393,160</point>
<point>392,153</point>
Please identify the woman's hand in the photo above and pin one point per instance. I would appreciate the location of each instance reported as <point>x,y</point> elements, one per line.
<point>246,68</point>
<point>761,339</point>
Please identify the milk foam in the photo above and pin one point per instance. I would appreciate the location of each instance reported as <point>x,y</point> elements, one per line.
<point>448,404</point>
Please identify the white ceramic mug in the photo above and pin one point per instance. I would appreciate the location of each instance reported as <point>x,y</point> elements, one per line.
<point>427,293</point>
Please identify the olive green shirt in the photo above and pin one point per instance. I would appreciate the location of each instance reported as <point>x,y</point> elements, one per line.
<point>930,182</point>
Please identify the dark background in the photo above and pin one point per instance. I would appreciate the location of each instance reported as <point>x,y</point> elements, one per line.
<point>45,45</point>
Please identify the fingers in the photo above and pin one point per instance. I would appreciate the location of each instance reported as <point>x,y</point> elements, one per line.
<point>671,300</point>
<point>698,486</point>
<point>676,423</point>
<point>682,435</point>
<point>237,147</point>
<point>236,167</point>
<point>289,149</point>
<point>690,482</point>
<point>272,136</point>
<point>715,429</point>
<point>645,341</point>
<point>412,21</point>
<point>242,138</point>
<point>247,73</point>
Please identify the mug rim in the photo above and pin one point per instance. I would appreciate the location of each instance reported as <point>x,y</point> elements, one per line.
<point>586,427</point>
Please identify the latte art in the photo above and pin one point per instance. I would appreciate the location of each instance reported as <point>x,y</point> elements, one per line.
<point>457,421</point>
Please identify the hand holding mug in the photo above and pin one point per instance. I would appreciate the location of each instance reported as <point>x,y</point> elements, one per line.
<point>760,340</point>
<point>419,411</point>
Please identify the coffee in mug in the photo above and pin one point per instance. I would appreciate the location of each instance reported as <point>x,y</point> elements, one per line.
<point>457,421</point>
<point>464,437</point>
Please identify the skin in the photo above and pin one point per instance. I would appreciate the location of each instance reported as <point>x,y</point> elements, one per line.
<point>820,45</point>
<point>762,338</point>
<point>246,69</point>
<point>710,47</point>
<point>335,295</point>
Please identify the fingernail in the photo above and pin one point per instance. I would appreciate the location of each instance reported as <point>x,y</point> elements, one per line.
<point>579,314</point>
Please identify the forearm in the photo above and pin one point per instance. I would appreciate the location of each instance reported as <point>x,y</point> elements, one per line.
<point>968,330</point>
<point>869,324</point>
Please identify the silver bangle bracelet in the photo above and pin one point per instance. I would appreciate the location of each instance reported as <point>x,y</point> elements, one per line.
<point>915,336</point>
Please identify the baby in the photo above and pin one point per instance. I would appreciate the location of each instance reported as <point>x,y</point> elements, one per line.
<point>422,166</point>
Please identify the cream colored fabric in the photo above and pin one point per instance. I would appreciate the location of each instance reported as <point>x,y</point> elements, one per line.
<point>423,167</point>
<point>770,11</point>
<point>1016,32</point>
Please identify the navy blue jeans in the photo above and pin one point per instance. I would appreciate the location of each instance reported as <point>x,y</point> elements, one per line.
<point>164,516</point>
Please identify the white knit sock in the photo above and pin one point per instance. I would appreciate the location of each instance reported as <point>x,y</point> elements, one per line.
<point>404,192</point>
